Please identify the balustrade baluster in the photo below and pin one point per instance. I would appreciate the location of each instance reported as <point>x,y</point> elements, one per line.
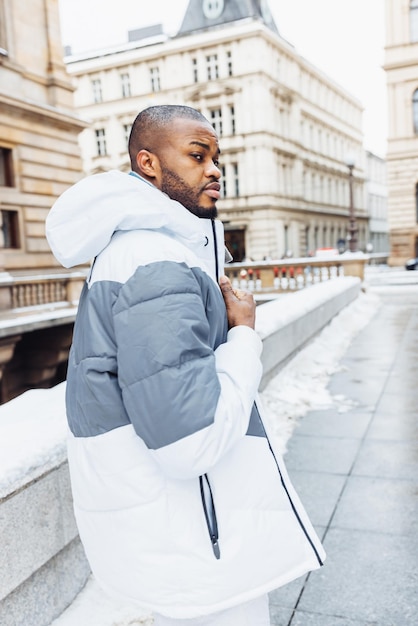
<point>258,283</point>
<point>15,297</point>
<point>276,279</point>
<point>300,278</point>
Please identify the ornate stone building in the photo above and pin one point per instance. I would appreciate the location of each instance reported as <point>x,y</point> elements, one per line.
<point>39,159</point>
<point>377,203</point>
<point>401,65</point>
<point>285,128</point>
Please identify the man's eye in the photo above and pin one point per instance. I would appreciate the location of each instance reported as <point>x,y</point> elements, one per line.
<point>216,163</point>
<point>198,157</point>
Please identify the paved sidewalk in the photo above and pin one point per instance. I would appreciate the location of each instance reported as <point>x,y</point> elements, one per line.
<point>357,474</point>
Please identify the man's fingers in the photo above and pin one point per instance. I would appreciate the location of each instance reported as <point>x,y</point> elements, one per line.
<point>240,305</point>
<point>226,286</point>
<point>229,291</point>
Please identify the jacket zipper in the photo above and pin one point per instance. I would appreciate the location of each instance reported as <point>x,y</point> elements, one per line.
<point>305,532</point>
<point>210,514</point>
<point>211,520</point>
<point>215,245</point>
<point>205,488</point>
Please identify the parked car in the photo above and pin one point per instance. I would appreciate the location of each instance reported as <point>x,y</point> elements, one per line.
<point>412,264</point>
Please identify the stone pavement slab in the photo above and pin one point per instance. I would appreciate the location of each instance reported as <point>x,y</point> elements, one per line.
<point>368,576</point>
<point>357,475</point>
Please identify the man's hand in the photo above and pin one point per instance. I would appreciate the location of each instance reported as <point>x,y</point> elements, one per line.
<point>240,305</point>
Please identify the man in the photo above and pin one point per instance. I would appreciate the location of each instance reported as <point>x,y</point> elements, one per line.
<point>182,504</point>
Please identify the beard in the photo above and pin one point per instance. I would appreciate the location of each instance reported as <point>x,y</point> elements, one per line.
<point>177,189</point>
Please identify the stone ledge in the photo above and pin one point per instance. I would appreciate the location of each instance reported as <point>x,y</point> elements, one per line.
<point>287,324</point>
<point>42,563</point>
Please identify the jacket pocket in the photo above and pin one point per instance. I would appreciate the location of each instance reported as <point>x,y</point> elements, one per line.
<point>210,514</point>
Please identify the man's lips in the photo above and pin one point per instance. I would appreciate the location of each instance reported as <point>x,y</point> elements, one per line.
<point>213,190</point>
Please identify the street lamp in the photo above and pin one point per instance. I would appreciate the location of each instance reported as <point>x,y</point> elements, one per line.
<point>352,228</point>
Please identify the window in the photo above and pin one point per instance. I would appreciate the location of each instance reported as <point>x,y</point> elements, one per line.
<point>413,20</point>
<point>235,243</point>
<point>3,33</point>
<point>223,181</point>
<point>286,238</point>
<point>195,72</point>
<point>9,229</point>
<point>101,141</point>
<point>6,168</point>
<point>126,85</point>
<point>232,114</point>
<point>212,66</point>
<point>415,110</point>
<point>235,179</point>
<point>127,132</point>
<point>216,119</point>
<point>155,79</point>
<point>96,86</point>
<point>229,62</point>
<point>230,180</point>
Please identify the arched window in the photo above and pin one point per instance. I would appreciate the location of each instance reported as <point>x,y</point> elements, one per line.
<point>413,20</point>
<point>415,110</point>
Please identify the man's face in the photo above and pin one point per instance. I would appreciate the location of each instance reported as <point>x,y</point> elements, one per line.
<point>189,166</point>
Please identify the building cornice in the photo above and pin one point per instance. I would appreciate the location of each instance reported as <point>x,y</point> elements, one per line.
<point>41,112</point>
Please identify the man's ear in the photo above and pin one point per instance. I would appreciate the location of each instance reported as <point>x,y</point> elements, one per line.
<point>148,164</point>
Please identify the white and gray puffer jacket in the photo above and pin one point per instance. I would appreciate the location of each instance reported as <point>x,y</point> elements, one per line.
<point>182,504</point>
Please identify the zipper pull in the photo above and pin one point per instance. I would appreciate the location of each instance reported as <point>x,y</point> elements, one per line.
<point>215,547</point>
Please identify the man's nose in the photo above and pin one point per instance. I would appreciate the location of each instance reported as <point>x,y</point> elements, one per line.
<point>213,171</point>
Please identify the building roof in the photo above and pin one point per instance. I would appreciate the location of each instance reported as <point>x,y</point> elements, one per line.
<point>206,14</point>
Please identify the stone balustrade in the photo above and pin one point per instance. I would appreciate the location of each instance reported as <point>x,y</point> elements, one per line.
<point>29,289</point>
<point>37,312</point>
<point>287,275</point>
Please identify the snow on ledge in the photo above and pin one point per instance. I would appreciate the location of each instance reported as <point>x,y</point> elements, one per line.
<point>276,314</point>
<point>33,430</point>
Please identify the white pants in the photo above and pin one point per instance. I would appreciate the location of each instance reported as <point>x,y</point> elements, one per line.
<point>254,613</point>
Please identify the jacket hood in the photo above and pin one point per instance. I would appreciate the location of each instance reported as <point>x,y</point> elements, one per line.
<point>83,219</point>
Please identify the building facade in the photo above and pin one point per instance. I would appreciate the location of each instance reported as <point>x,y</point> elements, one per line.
<point>39,159</point>
<point>401,66</point>
<point>286,129</point>
<point>39,152</point>
<point>377,203</point>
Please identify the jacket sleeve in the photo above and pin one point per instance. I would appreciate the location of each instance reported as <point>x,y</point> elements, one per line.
<point>188,402</point>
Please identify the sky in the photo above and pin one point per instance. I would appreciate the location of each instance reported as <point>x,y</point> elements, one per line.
<point>343,39</point>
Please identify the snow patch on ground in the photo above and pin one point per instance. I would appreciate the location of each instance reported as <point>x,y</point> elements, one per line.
<point>301,386</point>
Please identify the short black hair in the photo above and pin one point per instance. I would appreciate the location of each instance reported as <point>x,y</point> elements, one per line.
<point>149,122</point>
